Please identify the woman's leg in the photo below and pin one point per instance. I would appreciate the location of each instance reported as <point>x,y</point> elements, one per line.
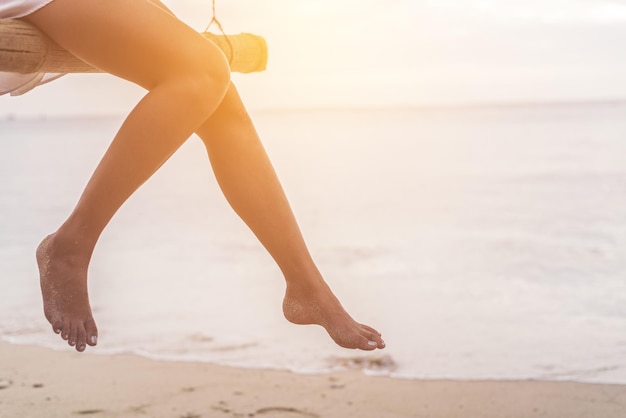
<point>248,181</point>
<point>186,76</point>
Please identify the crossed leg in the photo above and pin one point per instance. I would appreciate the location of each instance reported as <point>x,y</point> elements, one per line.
<point>187,81</point>
<point>252,188</point>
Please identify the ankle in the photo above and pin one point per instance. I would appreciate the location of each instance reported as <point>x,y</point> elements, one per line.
<point>304,280</point>
<point>66,242</point>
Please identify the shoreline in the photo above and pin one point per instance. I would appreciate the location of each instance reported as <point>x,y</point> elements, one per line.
<point>36,381</point>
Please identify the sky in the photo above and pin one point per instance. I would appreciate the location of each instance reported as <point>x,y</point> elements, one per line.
<point>392,53</point>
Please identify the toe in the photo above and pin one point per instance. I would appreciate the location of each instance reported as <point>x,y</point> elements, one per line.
<point>373,338</point>
<point>57,326</point>
<point>91,332</point>
<point>380,343</point>
<point>370,329</point>
<point>73,336</point>
<point>81,339</point>
<point>65,330</point>
<point>367,344</point>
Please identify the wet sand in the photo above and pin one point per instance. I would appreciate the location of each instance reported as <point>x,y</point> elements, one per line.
<point>38,382</point>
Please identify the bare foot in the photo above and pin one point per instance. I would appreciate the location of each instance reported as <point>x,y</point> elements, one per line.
<point>318,305</point>
<point>63,278</point>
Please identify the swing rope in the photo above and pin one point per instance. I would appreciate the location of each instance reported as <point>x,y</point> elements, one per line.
<point>221,29</point>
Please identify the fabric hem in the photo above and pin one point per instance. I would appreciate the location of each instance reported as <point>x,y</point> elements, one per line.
<point>33,10</point>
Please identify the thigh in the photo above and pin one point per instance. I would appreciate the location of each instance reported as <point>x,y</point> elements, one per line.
<point>134,39</point>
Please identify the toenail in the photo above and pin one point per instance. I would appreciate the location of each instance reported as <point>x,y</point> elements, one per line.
<point>372,343</point>
<point>57,331</point>
<point>93,339</point>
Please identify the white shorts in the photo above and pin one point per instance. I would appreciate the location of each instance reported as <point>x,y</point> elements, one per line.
<point>15,83</point>
<point>19,8</point>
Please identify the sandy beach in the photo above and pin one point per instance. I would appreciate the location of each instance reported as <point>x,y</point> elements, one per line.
<point>38,382</point>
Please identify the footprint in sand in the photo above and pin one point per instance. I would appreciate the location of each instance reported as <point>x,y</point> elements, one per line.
<point>285,412</point>
<point>89,412</point>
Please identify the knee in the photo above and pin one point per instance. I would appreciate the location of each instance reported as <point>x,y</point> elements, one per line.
<point>201,79</point>
<point>207,80</point>
<point>204,91</point>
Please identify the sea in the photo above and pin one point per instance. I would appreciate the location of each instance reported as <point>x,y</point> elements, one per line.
<point>484,242</point>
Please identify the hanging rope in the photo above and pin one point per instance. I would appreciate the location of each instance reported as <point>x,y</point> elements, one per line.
<point>221,29</point>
